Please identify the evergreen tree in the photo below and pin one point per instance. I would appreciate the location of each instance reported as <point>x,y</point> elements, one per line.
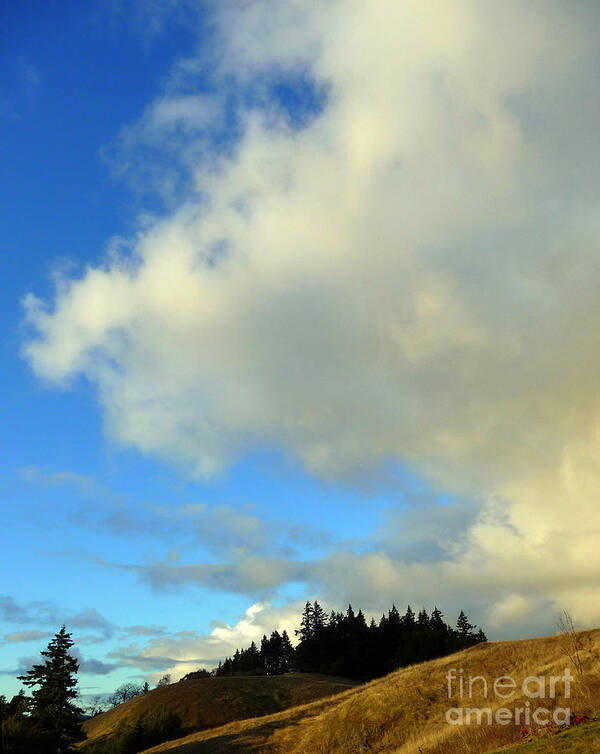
<point>463,625</point>
<point>319,619</point>
<point>251,660</point>
<point>137,736</point>
<point>264,653</point>
<point>344,645</point>
<point>55,717</point>
<point>394,617</point>
<point>287,653</point>
<point>408,619</point>
<point>437,623</point>
<point>272,653</point>
<point>360,622</point>
<point>305,631</point>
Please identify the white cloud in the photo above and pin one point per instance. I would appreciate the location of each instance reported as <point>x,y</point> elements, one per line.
<point>413,276</point>
<point>185,651</point>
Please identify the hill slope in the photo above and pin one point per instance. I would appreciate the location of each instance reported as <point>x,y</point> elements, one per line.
<point>405,711</point>
<point>209,702</point>
<point>584,739</point>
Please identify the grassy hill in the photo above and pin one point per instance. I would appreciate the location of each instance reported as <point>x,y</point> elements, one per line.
<point>405,711</point>
<point>210,702</point>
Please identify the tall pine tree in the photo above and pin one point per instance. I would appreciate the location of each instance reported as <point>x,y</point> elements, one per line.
<point>55,717</point>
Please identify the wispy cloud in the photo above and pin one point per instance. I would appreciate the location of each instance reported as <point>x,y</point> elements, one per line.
<point>129,656</point>
<point>144,630</point>
<point>250,574</point>
<point>219,528</point>
<point>54,478</point>
<point>18,637</point>
<point>52,615</point>
<point>34,612</point>
<point>85,483</point>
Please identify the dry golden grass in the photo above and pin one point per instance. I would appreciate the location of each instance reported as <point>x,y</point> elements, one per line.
<point>405,711</point>
<point>210,702</point>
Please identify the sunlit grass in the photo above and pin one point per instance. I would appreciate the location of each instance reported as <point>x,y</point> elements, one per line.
<point>405,711</point>
<point>210,702</point>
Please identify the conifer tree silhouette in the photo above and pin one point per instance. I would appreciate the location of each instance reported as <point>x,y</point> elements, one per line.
<point>55,718</point>
<point>344,645</point>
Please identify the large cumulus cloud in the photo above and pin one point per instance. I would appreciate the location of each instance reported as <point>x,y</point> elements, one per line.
<point>411,273</point>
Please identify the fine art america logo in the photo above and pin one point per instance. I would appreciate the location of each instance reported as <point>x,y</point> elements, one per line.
<point>536,690</point>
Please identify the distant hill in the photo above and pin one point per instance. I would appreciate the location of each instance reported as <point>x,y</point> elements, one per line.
<point>209,702</point>
<point>405,711</point>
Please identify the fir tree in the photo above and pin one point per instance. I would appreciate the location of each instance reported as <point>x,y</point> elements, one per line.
<point>463,625</point>
<point>272,653</point>
<point>360,622</point>
<point>287,653</point>
<point>305,631</point>
<point>54,714</point>
<point>408,619</point>
<point>394,617</point>
<point>437,621</point>
<point>319,619</point>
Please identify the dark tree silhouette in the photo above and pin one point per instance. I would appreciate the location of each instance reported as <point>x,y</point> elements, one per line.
<point>287,653</point>
<point>305,632</point>
<point>124,693</point>
<point>343,644</point>
<point>463,626</point>
<point>319,619</point>
<point>55,718</point>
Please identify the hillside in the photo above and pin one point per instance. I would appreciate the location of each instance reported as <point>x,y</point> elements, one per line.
<point>583,739</point>
<point>405,711</point>
<point>210,702</point>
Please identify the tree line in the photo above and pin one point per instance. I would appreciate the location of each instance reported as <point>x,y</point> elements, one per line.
<point>344,644</point>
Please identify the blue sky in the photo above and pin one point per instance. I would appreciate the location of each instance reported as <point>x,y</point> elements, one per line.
<point>65,97</point>
<point>293,307</point>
